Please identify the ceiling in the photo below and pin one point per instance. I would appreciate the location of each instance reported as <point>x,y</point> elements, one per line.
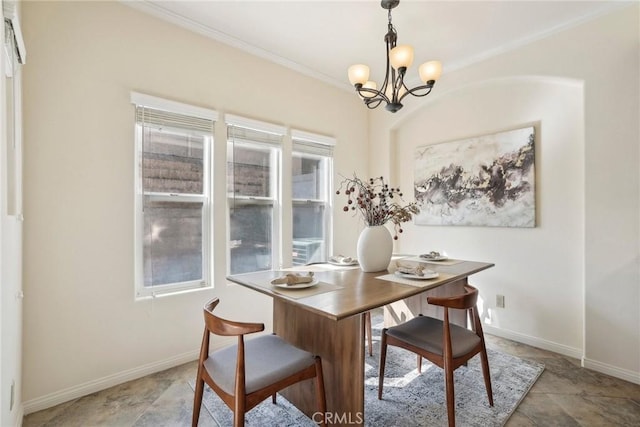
<point>323,38</point>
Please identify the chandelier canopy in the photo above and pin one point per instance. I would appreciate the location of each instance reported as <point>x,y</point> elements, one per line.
<point>399,58</point>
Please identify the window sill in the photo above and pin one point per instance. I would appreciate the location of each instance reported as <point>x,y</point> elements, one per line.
<point>172,293</point>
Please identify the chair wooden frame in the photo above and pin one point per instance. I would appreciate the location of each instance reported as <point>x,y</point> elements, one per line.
<point>446,361</point>
<point>240,402</point>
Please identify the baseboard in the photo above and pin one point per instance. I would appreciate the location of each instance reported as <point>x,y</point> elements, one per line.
<point>614,371</point>
<point>19,415</point>
<point>565,350</point>
<point>80,390</point>
<point>594,365</point>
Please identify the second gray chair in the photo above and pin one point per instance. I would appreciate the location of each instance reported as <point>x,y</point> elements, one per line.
<point>446,345</point>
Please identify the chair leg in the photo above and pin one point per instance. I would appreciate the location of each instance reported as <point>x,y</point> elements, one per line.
<point>273,398</point>
<point>451,404</point>
<point>419,367</point>
<point>486,374</point>
<point>367,324</point>
<point>197,402</point>
<point>238,411</point>
<point>383,360</point>
<point>322,400</point>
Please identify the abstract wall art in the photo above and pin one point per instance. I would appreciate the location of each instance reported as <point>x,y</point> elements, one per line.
<point>483,181</point>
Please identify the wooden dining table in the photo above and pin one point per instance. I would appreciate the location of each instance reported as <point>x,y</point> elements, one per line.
<point>326,319</point>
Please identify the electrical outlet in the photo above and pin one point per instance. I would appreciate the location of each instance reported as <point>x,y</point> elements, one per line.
<point>500,301</point>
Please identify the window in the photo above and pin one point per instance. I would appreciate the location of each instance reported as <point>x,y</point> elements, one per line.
<point>311,172</point>
<point>13,153</point>
<point>253,191</point>
<point>173,145</point>
<point>256,175</point>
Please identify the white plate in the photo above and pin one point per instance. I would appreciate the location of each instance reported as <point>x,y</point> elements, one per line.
<point>343,264</point>
<point>298,286</point>
<point>437,258</point>
<point>426,276</point>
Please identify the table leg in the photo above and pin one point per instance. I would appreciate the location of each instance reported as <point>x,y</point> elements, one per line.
<point>341,347</point>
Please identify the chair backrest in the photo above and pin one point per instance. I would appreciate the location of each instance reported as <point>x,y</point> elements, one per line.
<point>219,326</point>
<point>464,301</point>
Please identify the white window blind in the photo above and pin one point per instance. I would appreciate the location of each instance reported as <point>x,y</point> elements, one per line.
<point>169,120</point>
<point>309,143</point>
<point>244,122</point>
<point>254,132</point>
<point>144,100</point>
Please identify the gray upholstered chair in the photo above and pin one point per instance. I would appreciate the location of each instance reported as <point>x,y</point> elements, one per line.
<point>246,373</point>
<point>444,344</point>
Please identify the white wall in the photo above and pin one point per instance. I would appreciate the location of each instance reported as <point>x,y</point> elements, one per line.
<point>555,108</point>
<point>83,330</point>
<point>571,284</point>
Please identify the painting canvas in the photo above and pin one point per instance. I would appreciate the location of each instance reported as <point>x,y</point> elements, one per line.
<point>484,181</point>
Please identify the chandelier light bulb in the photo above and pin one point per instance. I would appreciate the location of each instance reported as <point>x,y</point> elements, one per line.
<point>430,71</point>
<point>369,85</point>
<point>401,56</point>
<point>358,74</point>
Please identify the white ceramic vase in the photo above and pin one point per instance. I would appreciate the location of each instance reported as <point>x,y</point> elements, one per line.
<point>374,249</point>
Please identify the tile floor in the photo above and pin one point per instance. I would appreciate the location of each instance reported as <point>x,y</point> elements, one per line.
<point>564,395</point>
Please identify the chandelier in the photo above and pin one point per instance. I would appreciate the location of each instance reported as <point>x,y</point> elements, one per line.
<point>399,58</point>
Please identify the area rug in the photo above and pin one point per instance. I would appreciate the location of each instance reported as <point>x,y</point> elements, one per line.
<point>411,398</point>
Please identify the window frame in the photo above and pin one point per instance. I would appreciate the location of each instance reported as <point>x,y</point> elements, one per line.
<point>14,56</point>
<point>327,202</point>
<point>206,198</point>
<point>275,200</point>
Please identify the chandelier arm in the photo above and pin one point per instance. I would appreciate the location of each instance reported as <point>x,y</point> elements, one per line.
<point>428,86</point>
<point>375,93</point>
<point>371,105</point>
<point>373,101</point>
<point>399,84</point>
<point>389,44</point>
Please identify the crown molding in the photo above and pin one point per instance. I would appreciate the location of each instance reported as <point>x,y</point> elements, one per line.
<point>154,9</point>
<point>607,8</point>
